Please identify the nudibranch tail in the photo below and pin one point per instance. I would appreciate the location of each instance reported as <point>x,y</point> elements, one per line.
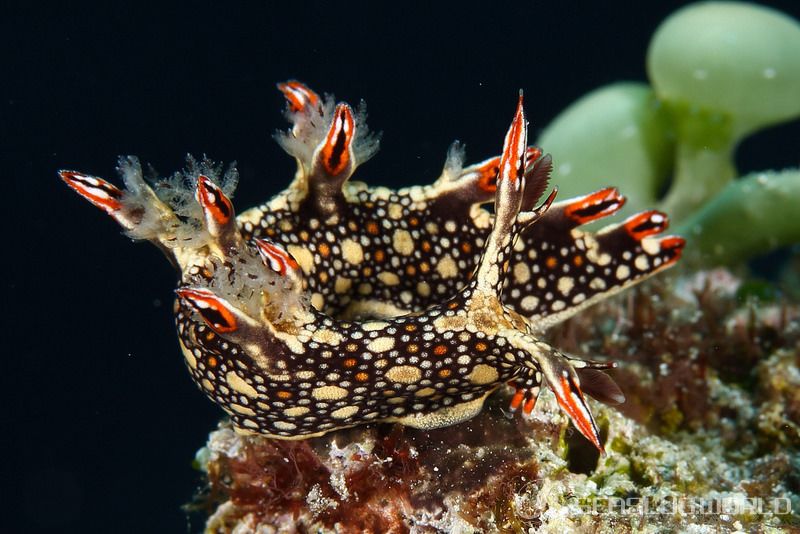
<point>561,374</point>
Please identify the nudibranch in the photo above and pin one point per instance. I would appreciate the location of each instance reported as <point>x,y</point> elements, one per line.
<point>336,304</point>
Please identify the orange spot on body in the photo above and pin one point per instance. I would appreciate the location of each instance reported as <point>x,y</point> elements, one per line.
<point>480,346</point>
<point>284,395</point>
<point>444,373</point>
<point>379,255</point>
<point>578,261</point>
<point>551,262</point>
<point>411,270</point>
<point>424,267</point>
<point>362,376</point>
<point>324,250</point>
<point>212,361</point>
<point>373,228</point>
<point>466,247</point>
<point>350,362</point>
<point>440,350</point>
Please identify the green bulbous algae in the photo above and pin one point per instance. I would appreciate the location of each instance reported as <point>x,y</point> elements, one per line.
<point>736,59</point>
<point>752,215</point>
<point>616,135</point>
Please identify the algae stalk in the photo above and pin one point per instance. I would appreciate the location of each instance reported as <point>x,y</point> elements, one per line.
<point>702,170</point>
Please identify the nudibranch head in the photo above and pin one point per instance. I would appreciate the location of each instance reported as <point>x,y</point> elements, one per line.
<point>335,304</point>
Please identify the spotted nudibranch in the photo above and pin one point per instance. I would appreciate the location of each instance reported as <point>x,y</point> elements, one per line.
<point>336,304</point>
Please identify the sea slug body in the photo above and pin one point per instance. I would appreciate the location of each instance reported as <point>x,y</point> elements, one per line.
<point>336,304</point>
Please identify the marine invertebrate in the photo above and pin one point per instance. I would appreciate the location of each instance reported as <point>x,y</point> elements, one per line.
<point>335,304</point>
<point>720,71</point>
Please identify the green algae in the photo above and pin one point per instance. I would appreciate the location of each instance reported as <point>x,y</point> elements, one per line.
<point>720,71</point>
